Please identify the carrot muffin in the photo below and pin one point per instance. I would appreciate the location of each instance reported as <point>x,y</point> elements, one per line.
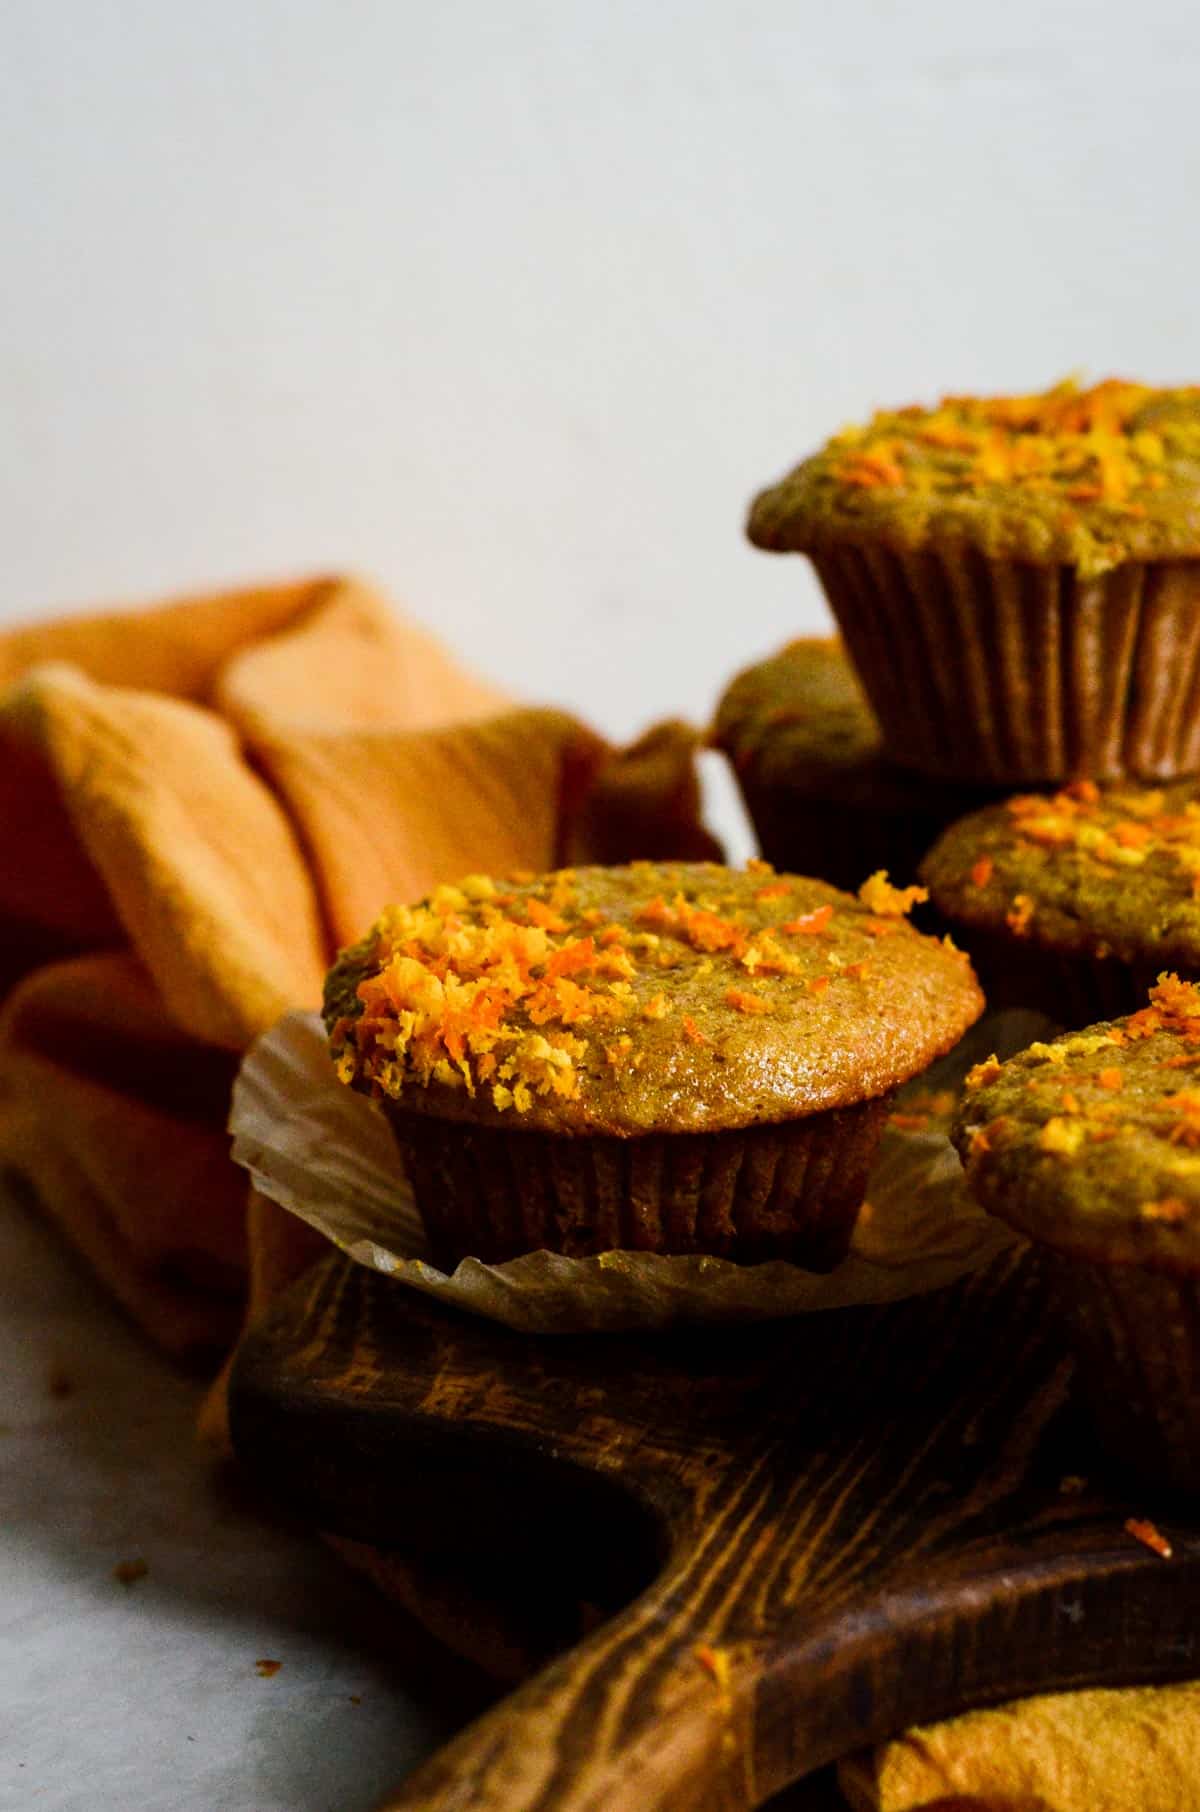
<point>1090,1147</point>
<point>1074,903</point>
<point>1017,578</point>
<point>666,1057</point>
<point>809,760</point>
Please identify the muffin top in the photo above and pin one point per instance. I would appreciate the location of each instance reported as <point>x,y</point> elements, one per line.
<point>800,710</point>
<point>651,998</point>
<point>1092,1144</point>
<point>1085,872</point>
<point>1084,478</point>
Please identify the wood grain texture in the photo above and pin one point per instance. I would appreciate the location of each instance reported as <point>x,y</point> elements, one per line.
<point>803,1537</point>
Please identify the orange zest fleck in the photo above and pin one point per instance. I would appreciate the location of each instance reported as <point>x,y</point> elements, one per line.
<point>809,924</point>
<point>1170,1210</point>
<point>1111,1078</point>
<point>983,1073</point>
<point>544,916</point>
<point>1149,1536</point>
<point>692,1032</point>
<point>746,1003</point>
<point>982,872</point>
<point>880,897</point>
<point>1019,914</point>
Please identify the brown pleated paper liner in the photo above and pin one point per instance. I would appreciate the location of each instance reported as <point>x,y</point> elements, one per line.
<point>1002,670</point>
<point>788,1191</point>
<point>1074,991</point>
<point>1136,1332</point>
<point>841,841</point>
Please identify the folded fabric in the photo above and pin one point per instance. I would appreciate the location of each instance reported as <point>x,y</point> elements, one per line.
<point>1137,1750</point>
<point>197,805</point>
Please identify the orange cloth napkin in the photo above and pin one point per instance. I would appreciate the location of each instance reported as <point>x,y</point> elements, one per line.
<point>1137,1750</point>
<point>198,805</point>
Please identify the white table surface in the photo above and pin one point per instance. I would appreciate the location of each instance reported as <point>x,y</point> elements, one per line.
<point>147,1695</point>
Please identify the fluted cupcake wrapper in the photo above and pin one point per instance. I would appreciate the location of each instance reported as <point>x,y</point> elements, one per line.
<point>1003,670</point>
<point>1136,1332</point>
<point>787,1191</point>
<point>326,1153</point>
<point>1073,991</point>
<point>840,842</point>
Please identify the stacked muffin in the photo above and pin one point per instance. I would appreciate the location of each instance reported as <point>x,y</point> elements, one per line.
<point>1017,581</point>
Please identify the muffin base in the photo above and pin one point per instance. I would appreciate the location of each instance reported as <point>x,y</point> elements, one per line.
<point>788,1191</point>
<point>1136,1334</point>
<point>1002,670</point>
<point>1074,991</point>
<point>839,841</point>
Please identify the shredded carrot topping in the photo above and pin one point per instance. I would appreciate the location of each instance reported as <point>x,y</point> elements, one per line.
<point>515,992</point>
<point>746,1003</point>
<point>1092,446</point>
<point>981,874</point>
<point>983,1073</point>
<point>1170,1210</point>
<point>809,923</point>
<point>1149,1536</point>
<point>1019,914</point>
<point>879,896</point>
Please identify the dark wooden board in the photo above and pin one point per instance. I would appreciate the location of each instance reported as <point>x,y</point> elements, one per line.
<point>805,1536</point>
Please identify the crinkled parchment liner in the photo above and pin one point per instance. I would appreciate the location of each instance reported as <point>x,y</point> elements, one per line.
<point>326,1153</point>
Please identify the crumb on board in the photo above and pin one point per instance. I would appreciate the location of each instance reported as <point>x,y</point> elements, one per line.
<point>1072,1484</point>
<point>268,1669</point>
<point>130,1571</point>
<point>1149,1536</point>
<point>714,1661</point>
<point>59,1381</point>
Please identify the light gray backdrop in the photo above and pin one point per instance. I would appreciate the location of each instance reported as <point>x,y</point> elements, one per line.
<point>513,303</point>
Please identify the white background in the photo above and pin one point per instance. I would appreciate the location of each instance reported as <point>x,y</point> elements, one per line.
<point>512,304</point>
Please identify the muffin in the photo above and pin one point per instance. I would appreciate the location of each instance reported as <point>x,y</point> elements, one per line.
<point>660,1057</point>
<point>823,797</point>
<point>1090,1147</point>
<point>1074,903</point>
<point>1017,578</point>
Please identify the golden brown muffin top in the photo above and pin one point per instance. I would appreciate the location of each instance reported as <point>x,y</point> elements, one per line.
<point>1092,1143</point>
<point>680,997</point>
<point>1088,478</point>
<point>800,707</point>
<point>1088,871</point>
